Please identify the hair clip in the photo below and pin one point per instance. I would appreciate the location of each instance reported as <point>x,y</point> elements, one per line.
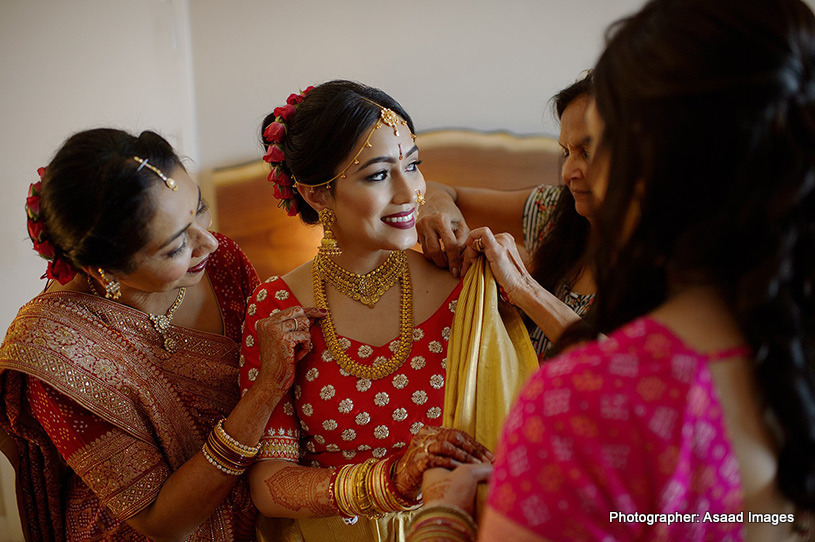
<point>171,184</point>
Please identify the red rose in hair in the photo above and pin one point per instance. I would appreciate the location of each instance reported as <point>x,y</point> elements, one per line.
<point>275,132</point>
<point>32,207</point>
<point>278,177</point>
<point>308,89</point>
<point>40,172</point>
<point>36,230</point>
<point>283,192</point>
<point>274,154</point>
<point>44,249</point>
<point>60,270</point>
<point>294,99</point>
<point>293,208</point>
<point>285,112</point>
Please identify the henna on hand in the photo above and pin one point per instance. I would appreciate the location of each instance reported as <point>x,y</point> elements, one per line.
<point>284,338</point>
<point>435,447</point>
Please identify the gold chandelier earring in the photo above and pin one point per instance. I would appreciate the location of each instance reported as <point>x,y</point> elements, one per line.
<point>112,288</point>
<point>328,245</point>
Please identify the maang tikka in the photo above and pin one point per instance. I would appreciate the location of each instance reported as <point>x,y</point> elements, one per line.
<point>328,245</point>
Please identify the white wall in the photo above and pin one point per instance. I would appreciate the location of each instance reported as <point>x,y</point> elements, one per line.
<point>482,64</point>
<point>68,66</point>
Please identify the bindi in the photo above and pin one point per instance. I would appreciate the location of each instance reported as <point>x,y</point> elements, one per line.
<point>400,150</point>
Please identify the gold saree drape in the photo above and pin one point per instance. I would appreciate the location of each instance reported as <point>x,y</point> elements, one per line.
<point>489,358</point>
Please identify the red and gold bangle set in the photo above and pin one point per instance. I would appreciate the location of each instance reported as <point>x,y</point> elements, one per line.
<point>367,489</point>
<point>227,454</point>
<point>442,522</point>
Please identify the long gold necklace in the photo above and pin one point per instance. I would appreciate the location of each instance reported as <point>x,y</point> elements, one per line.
<point>330,332</point>
<point>367,288</point>
<point>161,322</point>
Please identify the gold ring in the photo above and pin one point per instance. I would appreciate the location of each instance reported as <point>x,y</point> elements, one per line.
<point>478,245</point>
<point>426,446</point>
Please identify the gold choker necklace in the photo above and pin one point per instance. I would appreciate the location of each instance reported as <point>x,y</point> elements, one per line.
<point>367,288</point>
<point>161,322</point>
<point>405,323</point>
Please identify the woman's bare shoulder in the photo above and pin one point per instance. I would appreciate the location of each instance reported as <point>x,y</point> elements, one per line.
<point>425,271</point>
<point>299,281</point>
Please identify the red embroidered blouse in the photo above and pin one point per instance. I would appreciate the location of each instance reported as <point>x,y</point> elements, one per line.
<point>333,418</point>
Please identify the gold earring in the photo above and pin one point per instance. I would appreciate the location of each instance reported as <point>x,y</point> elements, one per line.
<point>328,245</point>
<point>112,288</point>
<point>419,198</point>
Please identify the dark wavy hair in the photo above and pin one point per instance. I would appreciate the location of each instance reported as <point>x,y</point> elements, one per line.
<point>95,203</point>
<point>566,242</point>
<point>709,112</point>
<point>327,126</point>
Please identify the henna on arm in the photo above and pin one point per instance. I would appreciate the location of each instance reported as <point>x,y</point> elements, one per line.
<point>302,491</point>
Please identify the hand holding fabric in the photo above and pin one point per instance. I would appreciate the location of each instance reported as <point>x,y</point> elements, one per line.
<point>505,262</point>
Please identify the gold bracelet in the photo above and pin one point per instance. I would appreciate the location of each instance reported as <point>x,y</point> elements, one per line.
<point>234,445</point>
<point>216,462</point>
<point>383,491</point>
<point>442,522</point>
<point>228,455</point>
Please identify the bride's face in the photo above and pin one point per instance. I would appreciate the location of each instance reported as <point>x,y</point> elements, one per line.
<point>376,204</point>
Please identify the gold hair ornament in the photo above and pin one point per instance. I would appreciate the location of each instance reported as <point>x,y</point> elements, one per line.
<point>171,184</point>
<point>387,117</point>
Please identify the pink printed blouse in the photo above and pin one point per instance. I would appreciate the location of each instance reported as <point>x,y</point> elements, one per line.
<point>333,418</point>
<point>632,424</point>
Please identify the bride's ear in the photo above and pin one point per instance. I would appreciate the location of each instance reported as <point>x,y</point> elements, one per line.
<point>318,197</point>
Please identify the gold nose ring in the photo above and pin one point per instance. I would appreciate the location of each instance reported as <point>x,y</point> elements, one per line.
<point>419,198</point>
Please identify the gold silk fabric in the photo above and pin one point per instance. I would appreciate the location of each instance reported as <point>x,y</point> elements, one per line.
<point>489,358</point>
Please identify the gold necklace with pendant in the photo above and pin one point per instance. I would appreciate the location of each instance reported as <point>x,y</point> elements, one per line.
<point>367,288</point>
<point>330,332</point>
<point>161,322</point>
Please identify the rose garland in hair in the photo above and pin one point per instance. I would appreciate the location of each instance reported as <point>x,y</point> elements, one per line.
<point>58,267</point>
<point>274,134</point>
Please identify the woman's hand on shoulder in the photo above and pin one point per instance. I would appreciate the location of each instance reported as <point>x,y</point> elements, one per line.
<point>284,338</point>
<point>441,228</point>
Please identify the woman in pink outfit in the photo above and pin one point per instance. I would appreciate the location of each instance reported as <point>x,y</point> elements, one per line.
<point>695,418</point>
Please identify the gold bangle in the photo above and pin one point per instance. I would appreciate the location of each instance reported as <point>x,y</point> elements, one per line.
<point>227,454</point>
<point>447,511</point>
<point>231,443</point>
<point>215,462</point>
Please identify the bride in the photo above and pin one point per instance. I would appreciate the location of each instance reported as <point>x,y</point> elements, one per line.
<point>362,420</point>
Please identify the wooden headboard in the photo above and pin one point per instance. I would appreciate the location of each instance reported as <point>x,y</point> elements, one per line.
<point>276,243</point>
